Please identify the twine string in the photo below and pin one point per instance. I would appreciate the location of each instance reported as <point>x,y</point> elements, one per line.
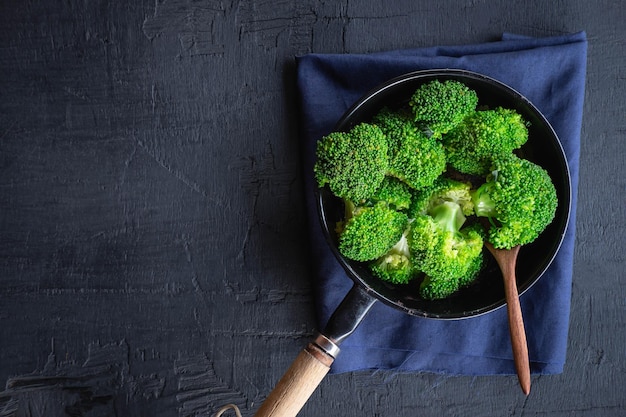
<point>226,408</point>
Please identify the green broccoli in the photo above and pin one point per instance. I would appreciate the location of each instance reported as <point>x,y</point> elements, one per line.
<point>447,254</point>
<point>481,137</point>
<point>396,265</point>
<point>520,200</point>
<point>477,264</point>
<point>394,192</point>
<point>371,231</point>
<point>445,251</point>
<point>433,288</point>
<point>438,106</point>
<point>414,158</point>
<point>442,189</point>
<point>408,214</point>
<point>353,164</point>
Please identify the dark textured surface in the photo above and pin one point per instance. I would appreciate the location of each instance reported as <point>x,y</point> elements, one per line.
<point>152,248</point>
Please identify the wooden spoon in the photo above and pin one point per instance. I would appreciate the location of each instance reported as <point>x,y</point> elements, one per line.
<point>506,259</point>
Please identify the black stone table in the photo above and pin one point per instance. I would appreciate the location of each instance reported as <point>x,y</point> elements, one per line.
<point>153,244</point>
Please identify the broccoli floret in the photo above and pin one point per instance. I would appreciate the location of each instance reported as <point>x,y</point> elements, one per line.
<point>433,288</point>
<point>394,192</point>
<point>476,265</point>
<point>414,158</point>
<point>437,288</point>
<point>371,232</point>
<point>520,200</point>
<point>449,259</point>
<point>482,136</point>
<point>443,189</point>
<point>444,250</point>
<point>395,266</point>
<point>438,106</point>
<point>352,163</point>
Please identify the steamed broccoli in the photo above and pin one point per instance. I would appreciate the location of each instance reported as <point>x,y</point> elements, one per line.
<point>352,163</point>
<point>394,192</point>
<point>396,265</point>
<point>476,265</point>
<point>482,136</point>
<point>443,189</point>
<point>433,288</point>
<point>520,200</point>
<point>441,247</point>
<point>438,106</point>
<point>445,251</point>
<point>414,158</point>
<point>407,214</point>
<point>371,231</point>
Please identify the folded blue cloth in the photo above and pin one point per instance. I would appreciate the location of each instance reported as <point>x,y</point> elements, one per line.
<point>550,72</point>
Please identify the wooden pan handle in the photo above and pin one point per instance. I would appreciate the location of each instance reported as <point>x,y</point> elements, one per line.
<point>297,384</point>
<point>311,366</point>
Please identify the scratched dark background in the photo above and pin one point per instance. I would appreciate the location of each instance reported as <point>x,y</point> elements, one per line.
<point>152,244</point>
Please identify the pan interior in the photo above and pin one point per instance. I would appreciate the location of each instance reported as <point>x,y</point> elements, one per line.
<point>487,293</point>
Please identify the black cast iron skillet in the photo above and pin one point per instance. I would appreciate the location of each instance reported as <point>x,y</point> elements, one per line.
<point>485,295</point>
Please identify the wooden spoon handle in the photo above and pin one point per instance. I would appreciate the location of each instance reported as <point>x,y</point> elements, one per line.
<point>297,384</point>
<point>516,327</point>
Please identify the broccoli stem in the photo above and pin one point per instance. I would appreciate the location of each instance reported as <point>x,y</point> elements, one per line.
<point>401,248</point>
<point>483,204</point>
<point>448,216</point>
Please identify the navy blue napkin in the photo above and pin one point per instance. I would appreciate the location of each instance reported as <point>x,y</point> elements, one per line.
<point>550,72</point>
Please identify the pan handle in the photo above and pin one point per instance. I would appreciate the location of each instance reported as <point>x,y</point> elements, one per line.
<point>349,314</point>
<point>313,363</point>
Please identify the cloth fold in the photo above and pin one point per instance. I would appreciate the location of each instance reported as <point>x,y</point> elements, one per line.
<point>550,72</point>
